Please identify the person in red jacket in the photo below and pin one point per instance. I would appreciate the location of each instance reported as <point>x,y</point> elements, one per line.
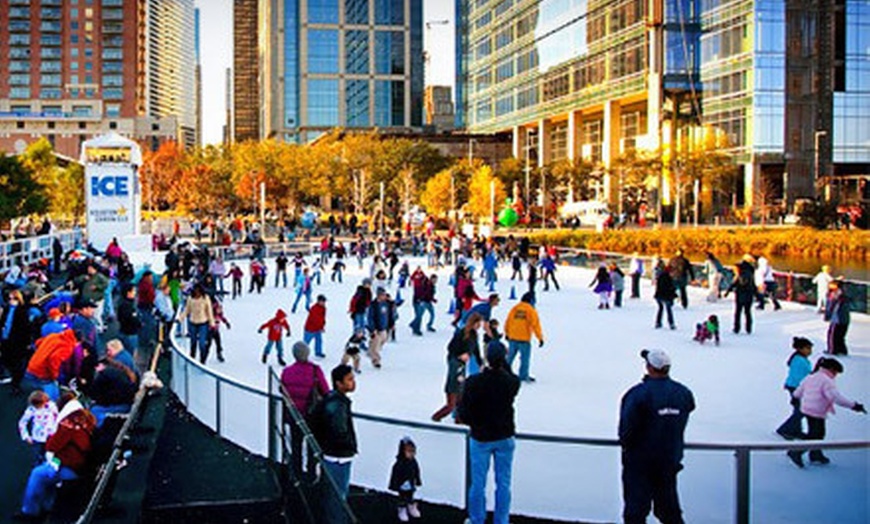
<point>66,459</point>
<point>44,367</point>
<point>315,325</point>
<point>276,327</point>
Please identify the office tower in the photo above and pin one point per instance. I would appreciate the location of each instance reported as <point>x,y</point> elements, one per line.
<point>246,98</point>
<point>198,78</point>
<point>785,82</point>
<point>439,107</point>
<point>340,63</point>
<point>78,69</point>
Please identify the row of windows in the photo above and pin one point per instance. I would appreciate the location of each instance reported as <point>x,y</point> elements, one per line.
<point>387,12</point>
<point>323,49</point>
<point>389,102</point>
<point>726,84</point>
<point>723,44</point>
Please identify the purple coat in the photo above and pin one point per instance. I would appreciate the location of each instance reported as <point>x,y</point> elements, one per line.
<point>299,378</point>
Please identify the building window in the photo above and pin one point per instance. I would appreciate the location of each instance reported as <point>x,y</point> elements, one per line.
<point>592,140</point>
<point>389,12</point>
<point>113,80</point>
<point>389,103</point>
<point>113,67</point>
<point>556,86</point>
<point>527,97</point>
<point>49,80</point>
<point>50,93</point>
<point>19,80</point>
<point>483,111</point>
<point>483,20</point>
<point>356,50</point>
<point>482,48</point>
<point>110,54</point>
<point>113,125</point>
<point>356,12</point>
<point>558,141</point>
<point>504,105</point>
<point>19,39</point>
<point>49,67</point>
<point>19,67</point>
<point>322,11</point>
<point>19,125</point>
<point>322,106</point>
<point>504,37</point>
<point>113,110</point>
<point>482,81</point>
<point>357,98</point>
<point>323,51</point>
<point>390,53</point>
<point>112,93</point>
<point>504,70</point>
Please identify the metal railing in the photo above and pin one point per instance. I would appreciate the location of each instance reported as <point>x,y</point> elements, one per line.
<point>292,444</point>
<point>110,468</point>
<point>205,393</point>
<point>791,286</point>
<point>30,249</point>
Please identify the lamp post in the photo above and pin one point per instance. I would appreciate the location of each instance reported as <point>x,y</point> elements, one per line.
<point>528,170</point>
<point>817,167</point>
<point>382,208</point>
<point>543,198</point>
<point>471,142</point>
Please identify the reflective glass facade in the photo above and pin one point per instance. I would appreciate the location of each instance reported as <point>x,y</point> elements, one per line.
<point>348,63</point>
<point>565,74</point>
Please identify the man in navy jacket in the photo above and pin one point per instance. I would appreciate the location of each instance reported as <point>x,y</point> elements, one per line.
<point>653,418</point>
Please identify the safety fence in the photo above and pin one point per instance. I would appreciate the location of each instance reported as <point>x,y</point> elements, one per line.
<point>103,492</point>
<point>557,477</point>
<point>790,286</point>
<point>30,249</point>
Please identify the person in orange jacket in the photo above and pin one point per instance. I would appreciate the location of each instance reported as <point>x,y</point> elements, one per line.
<point>44,367</point>
<point>523,322</point>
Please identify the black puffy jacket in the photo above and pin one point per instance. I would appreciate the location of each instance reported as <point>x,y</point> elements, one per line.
<point>333,426</point>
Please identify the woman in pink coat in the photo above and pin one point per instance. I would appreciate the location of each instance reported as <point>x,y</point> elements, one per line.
<point>817,394</point>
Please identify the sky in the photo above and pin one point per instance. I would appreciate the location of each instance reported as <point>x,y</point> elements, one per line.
<point>216,30</point>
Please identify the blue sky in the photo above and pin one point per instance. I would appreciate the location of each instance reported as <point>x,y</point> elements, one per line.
<point>216,29</point>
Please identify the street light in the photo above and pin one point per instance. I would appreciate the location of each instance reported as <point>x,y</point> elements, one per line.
<point>818,167</point>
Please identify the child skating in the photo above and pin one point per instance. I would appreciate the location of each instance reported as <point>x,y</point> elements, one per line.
<point>603,287</point>
<point>799,367</point>
<point>707,330</point>
<point>275,326</point>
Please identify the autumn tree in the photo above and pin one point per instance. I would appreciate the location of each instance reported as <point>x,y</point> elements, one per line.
<point>161,171</point>
<point>436,196</point>
<point>20,193</point>
<point>634,172</point>
<point>63,186</point>
<point>480,192</point>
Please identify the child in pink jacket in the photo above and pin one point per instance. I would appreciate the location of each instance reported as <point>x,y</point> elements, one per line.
<point>817,394</point>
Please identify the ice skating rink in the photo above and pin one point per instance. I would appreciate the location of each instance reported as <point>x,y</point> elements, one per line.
<point>589,360</point>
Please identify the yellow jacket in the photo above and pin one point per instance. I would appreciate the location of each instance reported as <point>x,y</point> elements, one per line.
<point>521,322</point>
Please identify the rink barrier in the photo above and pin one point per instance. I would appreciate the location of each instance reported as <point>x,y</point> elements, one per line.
<point>30,249</point>
<point>791,286</point>
<point>267,443</point>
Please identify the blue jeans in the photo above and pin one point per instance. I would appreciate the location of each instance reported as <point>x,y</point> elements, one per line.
<point>218,281</point>
<point>279,347</point>
<point>418,316</point>
<point>31,383</point>
<point>317,337</point>
<point>100,412</point>
<point>333,510</point>
<point>131,342</point>
<point>282,275</point>
<point>480,453</point>
<point>299,295</point>
<point>359,322</point>
<point>198,338</point>
<point>42,487</point>
<point>525,351</point>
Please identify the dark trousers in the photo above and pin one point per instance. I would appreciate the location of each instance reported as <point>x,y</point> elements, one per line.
<point>837,339</point>
<point>815,431</point>
<point>665,305</point>
<point>746,309</point>
<point>635,285</point>
<point>518,274</point>
<point>15,362</point>
<point>645,488</point>
<point>792,426</point>
<point>769,291</point>
<point>237,288</point>
<point>680,284</point>
<point>214,336</point>
<point>617,298</point>
<point>550,275</point>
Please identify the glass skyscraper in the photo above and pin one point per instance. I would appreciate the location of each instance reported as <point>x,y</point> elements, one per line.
<point>593,78</point>
<point>340,63</point>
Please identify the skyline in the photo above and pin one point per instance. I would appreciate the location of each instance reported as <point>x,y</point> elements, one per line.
<point>216,29</point>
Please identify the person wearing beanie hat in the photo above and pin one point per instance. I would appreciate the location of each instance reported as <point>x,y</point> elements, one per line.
<point>54,324</point>
<point>522,322</point>
<point>817,395</point>
<point>487,407</point>
<point>405,478</point>
<point>652,422</point>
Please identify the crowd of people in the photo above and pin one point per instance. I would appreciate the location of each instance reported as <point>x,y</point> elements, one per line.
<point>58,350</point>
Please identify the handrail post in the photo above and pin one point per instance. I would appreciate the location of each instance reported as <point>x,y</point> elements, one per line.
<point>217,407</point>
<point>467,468</point>
<point>270,404</point>
<point>743,467</point>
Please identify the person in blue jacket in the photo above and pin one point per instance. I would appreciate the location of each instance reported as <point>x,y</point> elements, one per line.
<point>652,421</point>
<point>490,265</point>
<point>799,367</point>
<point>548,270</point>
<point>378,325</point>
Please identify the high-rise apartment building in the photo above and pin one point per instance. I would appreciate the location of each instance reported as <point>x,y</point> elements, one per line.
<point>339,63</point>
<point>198,77</point>
<point>71,70</point>
<point>439,107</point>
<point>786,82</point>
<point>246,89</point>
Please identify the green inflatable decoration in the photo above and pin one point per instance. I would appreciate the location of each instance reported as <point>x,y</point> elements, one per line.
<point>508,217</point>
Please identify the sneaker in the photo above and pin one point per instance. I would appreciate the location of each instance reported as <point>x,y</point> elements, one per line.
<point>281,362</point>
<point>403,514</point>
<point>783,434</point>
<point>414,510</point>
<point>220,358</point>
<point>795,456</point>
<point>6,380</point>
<point>821,459</point>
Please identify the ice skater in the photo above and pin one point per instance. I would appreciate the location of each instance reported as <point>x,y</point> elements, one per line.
<point>799,367</point>
<point>707,330</point>
<point>603,287</point>
<point>303,288</point>
<point>276,327</point>
<point>405,479</point>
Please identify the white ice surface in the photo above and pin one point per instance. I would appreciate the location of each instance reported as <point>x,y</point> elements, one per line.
<point>590,359</point>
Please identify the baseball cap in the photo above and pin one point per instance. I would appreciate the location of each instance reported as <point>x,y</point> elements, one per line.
<point>656,358</point>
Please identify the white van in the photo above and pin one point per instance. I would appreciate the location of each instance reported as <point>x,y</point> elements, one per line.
<point>587,213</point>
